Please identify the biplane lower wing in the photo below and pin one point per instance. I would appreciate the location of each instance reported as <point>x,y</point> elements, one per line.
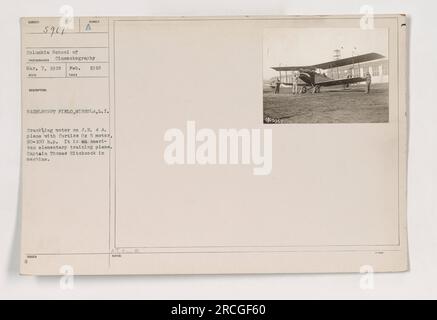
<point>305,84</point>
<point>328,83</point>
<point>340,82</point>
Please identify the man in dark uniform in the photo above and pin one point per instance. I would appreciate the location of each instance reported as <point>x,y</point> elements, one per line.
<point>368,82</point>
<point>277,85</point>
<point>347,85</point>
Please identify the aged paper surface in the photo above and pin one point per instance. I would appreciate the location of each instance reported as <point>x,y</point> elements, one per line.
<point>213,145</point>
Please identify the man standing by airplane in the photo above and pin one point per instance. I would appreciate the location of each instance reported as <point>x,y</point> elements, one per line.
<point>277,85</point>
<point>295,79</point>
<point>368,82</point>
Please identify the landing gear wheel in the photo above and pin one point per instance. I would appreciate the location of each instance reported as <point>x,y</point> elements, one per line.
<point>304,89</point>
<point>317,89</point>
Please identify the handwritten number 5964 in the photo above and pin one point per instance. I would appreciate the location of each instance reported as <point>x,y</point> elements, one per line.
<point>52,30</point>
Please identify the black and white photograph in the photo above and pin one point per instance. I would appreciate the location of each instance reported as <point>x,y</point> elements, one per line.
<point>325,75</point>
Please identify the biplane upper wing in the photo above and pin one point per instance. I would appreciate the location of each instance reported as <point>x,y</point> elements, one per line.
<point>292,68</point>
<point>348,61</point>
<point>335,63</point>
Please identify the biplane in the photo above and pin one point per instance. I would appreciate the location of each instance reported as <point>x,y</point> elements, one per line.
<point>313,78</point>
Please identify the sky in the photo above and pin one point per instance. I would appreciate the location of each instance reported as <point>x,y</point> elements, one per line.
<point>304,46</point>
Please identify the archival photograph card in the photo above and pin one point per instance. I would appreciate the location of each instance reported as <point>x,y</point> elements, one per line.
<point>213,145</point>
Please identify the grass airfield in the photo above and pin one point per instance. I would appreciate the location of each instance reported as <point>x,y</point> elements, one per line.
<point>331,105</point>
